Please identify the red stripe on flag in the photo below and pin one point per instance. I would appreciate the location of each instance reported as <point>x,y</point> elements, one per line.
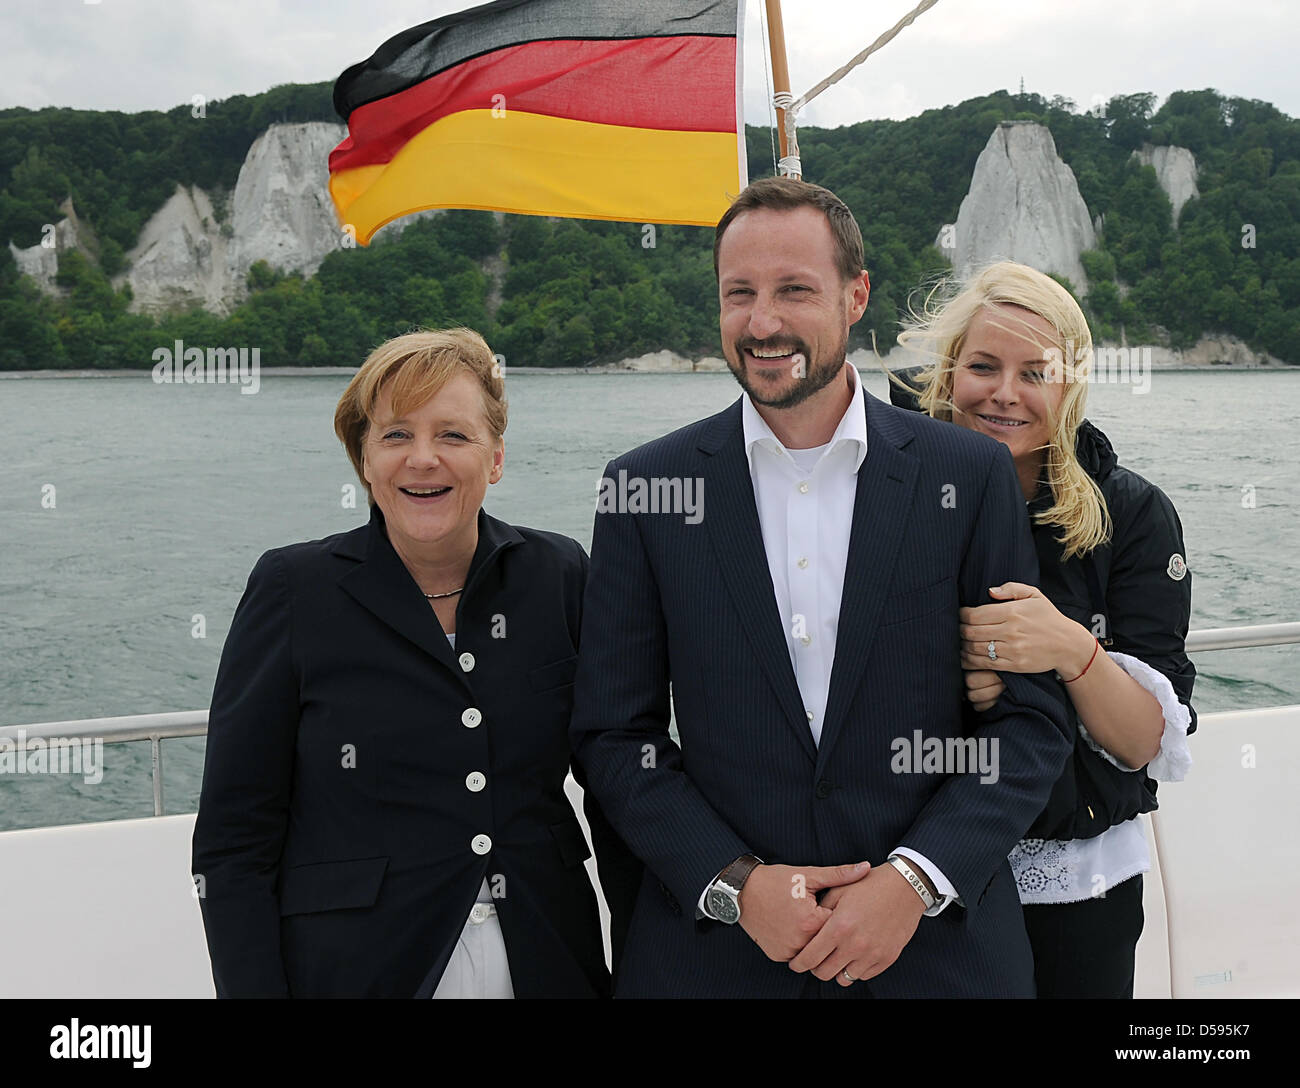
<point>681,83</point>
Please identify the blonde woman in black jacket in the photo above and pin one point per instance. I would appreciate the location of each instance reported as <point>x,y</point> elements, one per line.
<point>1010,352</point>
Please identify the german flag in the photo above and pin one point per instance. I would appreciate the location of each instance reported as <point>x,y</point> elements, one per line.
<point>619,109</point>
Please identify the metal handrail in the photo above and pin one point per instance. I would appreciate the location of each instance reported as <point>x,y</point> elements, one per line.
<point>175,723</point>
<point>194,723</point>
<point>1234,638</point>
<point>130,727</point>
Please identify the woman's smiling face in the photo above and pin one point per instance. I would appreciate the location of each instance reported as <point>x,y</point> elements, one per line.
<point>1004,382</point>
<point>428,470</point>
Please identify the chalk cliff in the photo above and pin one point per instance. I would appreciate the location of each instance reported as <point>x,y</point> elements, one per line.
<point>279,212</point>
<point>1175,170</point>
<point>1023,205</point>
<point>41,261</point>
<point>180,258</point>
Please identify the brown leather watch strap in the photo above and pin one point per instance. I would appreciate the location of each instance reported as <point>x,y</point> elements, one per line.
<point>735,874</point>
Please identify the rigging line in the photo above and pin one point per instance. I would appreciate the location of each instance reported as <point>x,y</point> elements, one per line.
<point>767,75</point>
<point>884,39</point>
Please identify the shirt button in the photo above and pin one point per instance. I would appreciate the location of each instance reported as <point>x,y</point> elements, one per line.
<point>475,781</point>
<point>810,714</point>
<point>806,640</point>
<point>480,844</point>
<point>467,662</point>
<point>480,913</point>
<point>803,488</point>
<point>471,717</point>
<point>803,562</point>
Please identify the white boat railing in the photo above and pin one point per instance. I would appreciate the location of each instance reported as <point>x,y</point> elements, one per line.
<point>155,728</point>
<point>1206,932</point>
<point>1235,638</point>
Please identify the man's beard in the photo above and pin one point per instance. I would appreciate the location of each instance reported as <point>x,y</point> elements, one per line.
<point>818,374</point>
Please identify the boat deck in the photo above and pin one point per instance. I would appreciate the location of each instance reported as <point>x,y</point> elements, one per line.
<point>108,909</point>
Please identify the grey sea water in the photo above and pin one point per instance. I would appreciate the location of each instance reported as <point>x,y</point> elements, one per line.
<point>163,497</point>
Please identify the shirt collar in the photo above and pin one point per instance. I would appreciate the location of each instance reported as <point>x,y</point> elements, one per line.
<point>852,427</point>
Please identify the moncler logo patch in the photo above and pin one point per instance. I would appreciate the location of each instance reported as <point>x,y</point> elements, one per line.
<point>1177,569</point>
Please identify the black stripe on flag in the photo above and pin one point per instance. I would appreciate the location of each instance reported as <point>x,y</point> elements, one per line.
<point>425,50</point>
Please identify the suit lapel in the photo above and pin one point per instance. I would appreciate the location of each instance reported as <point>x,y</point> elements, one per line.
<point>737,539</point>
<point>381,584</point>
<point>883,498</point>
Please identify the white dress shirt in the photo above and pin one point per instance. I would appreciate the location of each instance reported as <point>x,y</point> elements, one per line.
<point>805,501</point>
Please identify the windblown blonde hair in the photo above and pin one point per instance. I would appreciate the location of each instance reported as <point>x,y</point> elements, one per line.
<point>418,364</point>
<point>938,333</point>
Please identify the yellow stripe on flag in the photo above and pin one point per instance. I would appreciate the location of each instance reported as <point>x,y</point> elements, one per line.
<point>539,165</point>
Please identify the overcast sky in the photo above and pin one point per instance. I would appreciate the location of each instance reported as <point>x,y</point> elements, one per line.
<point>154,54</point>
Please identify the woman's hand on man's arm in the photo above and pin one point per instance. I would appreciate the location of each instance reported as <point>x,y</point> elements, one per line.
<point>1030,635</point>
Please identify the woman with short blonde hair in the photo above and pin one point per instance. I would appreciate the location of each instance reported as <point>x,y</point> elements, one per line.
<point>383,811</point>
<point>418,364</point>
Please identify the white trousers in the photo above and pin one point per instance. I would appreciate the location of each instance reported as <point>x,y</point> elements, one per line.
<point>478,965</point>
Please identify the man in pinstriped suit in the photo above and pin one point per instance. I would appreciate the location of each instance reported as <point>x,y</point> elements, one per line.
<point>807,622</point>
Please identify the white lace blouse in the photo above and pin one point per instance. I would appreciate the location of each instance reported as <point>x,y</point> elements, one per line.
<point>1067,871</point>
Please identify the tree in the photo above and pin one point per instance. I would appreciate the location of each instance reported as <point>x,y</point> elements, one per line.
<point>28,339</point>
<point>473,234</point>
<point>1131,117</point>
<point>1139,222</point>
<point>262,276</point>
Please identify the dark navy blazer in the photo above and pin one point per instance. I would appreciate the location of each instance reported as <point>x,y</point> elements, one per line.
<point>335,827</point>
<point>938,518</point>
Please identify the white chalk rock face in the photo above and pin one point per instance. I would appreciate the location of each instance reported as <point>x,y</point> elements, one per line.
<point>41,261</point>
<point>1023,205</point>
<point>1214,349</point>
<point>653,362</point>
<point>37,261</point>
<point>1175,170</point>
<point>281,210</point>
<point>180,257</point>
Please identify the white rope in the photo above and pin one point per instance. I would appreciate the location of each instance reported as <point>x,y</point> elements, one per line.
<point>884,39</point>
<point>789,164</point>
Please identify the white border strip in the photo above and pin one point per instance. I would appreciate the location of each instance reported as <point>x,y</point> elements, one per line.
<point>742,154</point>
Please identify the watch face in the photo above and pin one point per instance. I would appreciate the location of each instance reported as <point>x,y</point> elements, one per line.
<point>723,906</point>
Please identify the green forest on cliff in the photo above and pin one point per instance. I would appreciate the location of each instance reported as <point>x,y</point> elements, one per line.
<point>574,292</point>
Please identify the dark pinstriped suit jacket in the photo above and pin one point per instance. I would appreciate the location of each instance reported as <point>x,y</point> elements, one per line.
<point>693,605</point>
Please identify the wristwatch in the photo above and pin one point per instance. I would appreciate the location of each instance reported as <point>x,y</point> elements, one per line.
<point>918,885</point>
<point>723,898</point>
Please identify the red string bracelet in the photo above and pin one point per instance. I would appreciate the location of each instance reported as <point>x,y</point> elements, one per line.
<point>1089,665</point>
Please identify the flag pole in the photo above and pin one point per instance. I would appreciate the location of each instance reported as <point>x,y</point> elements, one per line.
<point>781,94</point>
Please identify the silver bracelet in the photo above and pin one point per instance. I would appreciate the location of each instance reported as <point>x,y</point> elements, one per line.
<point>910,876</point>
